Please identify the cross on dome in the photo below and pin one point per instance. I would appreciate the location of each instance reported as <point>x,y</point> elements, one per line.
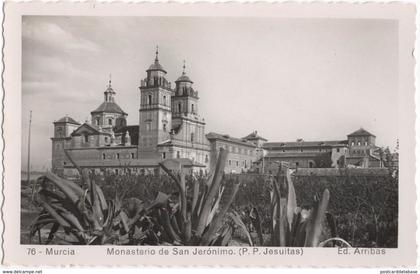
<point>156,66</point>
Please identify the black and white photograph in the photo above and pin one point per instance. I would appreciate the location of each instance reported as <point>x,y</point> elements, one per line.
<point>232,135</point>
<point>209,131</point>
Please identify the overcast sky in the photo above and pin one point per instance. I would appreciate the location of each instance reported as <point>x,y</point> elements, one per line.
<point>316,79</point>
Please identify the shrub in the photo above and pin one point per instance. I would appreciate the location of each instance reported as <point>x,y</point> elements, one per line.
<point>365,207</point>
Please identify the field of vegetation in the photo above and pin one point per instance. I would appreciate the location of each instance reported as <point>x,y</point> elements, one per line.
<point>178,209</point>
<point>365,207</point>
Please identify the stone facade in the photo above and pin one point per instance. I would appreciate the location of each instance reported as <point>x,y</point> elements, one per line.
<point>241,153</point>
<point>359,150</point>
<point>170,127</point>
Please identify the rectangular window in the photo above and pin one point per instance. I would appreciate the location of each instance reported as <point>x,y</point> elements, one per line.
<point>118,156</point>
<point>230,162</point>
<point>132,155</point>
<point>338,150</point>
<point>164,155</point>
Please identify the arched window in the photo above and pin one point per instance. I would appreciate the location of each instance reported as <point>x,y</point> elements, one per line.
<point>164,126</point>
<point>148,126</point>
<point>149,99</point>
<point>192,108</point>
<point>103,156</point>
<point>118,156</point>
<point>110,121</point>
<point>164,100</point>
<point>97,121</point>
<point>207,159</point>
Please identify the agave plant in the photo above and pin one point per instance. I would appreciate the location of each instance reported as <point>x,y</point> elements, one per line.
<point>204,217</point>
<point>85,215</point>
<point>292,225</point>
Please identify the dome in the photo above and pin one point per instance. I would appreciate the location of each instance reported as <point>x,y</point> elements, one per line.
<point>156,66</point>
<point>109,107</point>
<point>67,119</point>
<point>184,78</point>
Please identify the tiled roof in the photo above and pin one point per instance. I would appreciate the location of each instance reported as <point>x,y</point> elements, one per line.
<point>121,163</point>
<point>95,129</point>
<point>341,172</point>
<point>110,107</point>
<point>186,162</point>
<point>254,136</point>
<point>67,119</point>
<point>361,132</point>
<point>279,145</point>
<point>216,136</point>
<point>128,163</point>
<point>292,154</point>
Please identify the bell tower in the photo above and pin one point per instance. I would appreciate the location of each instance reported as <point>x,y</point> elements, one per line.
<point>185,111</point>
<point>155,110</point>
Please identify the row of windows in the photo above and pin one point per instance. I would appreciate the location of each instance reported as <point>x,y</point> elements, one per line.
<point>165,103</point>
<point>98,121</point>
<point>359,143</point>
<point>178,155</point>
<point>86,138</point>
<point>236,149</point>
<point>243,163</point>
<point>150,100</point>
<point>117,156</point>
<point>309,150</point>
<point>179,108</point>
